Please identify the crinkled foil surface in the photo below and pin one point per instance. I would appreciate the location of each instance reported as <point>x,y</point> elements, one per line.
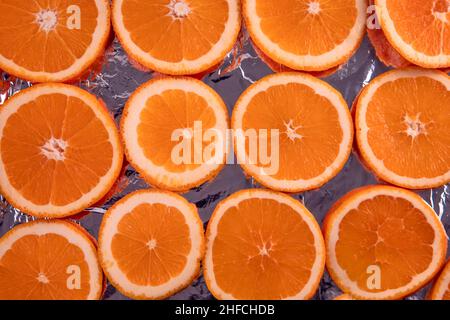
<point>119,78</point>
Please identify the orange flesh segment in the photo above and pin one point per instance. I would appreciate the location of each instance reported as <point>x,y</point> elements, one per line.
<point>155,31</point>
<point>87,156</point>
<point>62,45</point>
<point>313,34</point>
<point>262,226</point>
<point>422,98</point>
<point>45,257</point>
<point>152,244</point>
<point>389,233</point>
<point>447,294</point>
<point>167,113</point>
<point>417,24</point>
<point>315,118</point>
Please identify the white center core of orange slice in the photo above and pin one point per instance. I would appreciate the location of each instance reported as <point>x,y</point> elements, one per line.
<point>263,251</point>
<point>415,127</point>
<point>291,131</point>
<point>42,278</point>
<point>47,20</point>
<point>151,244</point>
<point>179,9</point>
<point>54,149</point>
<point>314,7</point>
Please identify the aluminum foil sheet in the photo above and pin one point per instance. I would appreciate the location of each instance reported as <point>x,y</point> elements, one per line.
<point>119,78</point>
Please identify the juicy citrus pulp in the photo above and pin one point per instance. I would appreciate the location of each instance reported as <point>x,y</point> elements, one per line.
<point>418,29</point>
<point>60,150</point>
<point>309,131</point>
<point>151,243</point>
<point>164,128</point>
<point>403,126</point>
<point>177,37</point>
<point>263,245</point>
<point>49,260</point>
<point>46,41</point>
<point>383,243</point>
<point>312,35</point>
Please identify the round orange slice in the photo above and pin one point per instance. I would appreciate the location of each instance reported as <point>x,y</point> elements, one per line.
<point>418,29</point>
<point>177,37</point>
<point>60,150</point>
<point>402,126</point>
<point>292,132</point>
<point>383,243</point>
<point>311,35</point>
<point>263,245</point>
<point>151,244</point>
<point>52,41</point>
<point>175,133</point>
<point>49,260</point>
<point>441,289</point>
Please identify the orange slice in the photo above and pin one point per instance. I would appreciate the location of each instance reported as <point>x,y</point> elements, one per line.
<point>52,41</point>
<point>166,126</point>
<point>383,243</point>
<point>150,244</point>
<point>177,37</point>
<point>311,35</point>
<point>441,289</point>
<point>49,260</point>
<point>403,127</point>
<point>263,245</point>
<point>418,29</point>
<point>344,297</point>
<point>308,126</point>
<point>60,150</point>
